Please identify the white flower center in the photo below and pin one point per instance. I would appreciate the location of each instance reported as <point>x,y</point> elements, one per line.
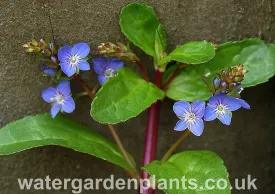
<point>74,60</point>
<point>58,99</point>
<point>221,109</point>
<point>190,117</point>
<point>109,72</point>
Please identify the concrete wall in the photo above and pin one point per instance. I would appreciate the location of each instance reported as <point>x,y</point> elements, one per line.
<point>247,146</point>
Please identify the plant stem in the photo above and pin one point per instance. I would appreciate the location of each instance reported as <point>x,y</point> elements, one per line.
<point>91,93</point>
<point>143,70</point>
<point>166,85</point>
<point>125,154</point>
<point>151,133</point>
<point>175,73</point>
<point>175,145</point>
<point>84,86</point>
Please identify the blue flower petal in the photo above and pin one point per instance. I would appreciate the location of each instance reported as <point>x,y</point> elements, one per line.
<point>55,109</point>
<point>198,107</point>
<point>181,125</point>
<point>69,105</point>
<point>243,103</point>
<point>102,79</point>
<point>68,69</point>
<point>64,53</point>
<point>232,103</point>
<point>114,63</point>
<point>217,99</point>
<point>84,65</point>
<point>64,88</point>
<point>197,127</point>
<point>225,118</point>
<point>181,108</point>
<point>49,71</point>
<point>100,65</point>
<point>81,49</point>
<point>48,94</point>
<point>210,114</point>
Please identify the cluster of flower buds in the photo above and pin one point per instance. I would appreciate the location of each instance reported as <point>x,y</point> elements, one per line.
<point>45,47</point>
<point>229,82</point>
<point>48,51</point>
<point>118,50</point>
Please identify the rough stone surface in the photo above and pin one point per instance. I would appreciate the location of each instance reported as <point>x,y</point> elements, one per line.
<point>247,146</point>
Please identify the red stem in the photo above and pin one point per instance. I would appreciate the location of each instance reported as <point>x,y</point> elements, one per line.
<point>151,134</point>
<point>84,86</point>
<point>143,70</point>
<point>166,85</point>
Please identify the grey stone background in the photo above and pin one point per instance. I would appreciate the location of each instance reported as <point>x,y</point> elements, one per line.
<point>247,146</point>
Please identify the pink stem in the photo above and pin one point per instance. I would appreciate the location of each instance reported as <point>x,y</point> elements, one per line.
<point>151,135</point>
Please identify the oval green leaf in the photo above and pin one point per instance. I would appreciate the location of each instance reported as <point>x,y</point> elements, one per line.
<point>123,96</point>
<point>257,56</point>
<point>42,130</point>
<point>191,53</point>
<point>160,44</point>
<point>198,165</point>
<point>139,24</point>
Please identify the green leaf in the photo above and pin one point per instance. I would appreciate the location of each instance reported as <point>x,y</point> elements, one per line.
<point>198,165</point>
<point>258,58</point>
<point>160,43</point>
<point>139,24</point>
<point>42,130</point>
<point>124,96</point>
<point>191,53</point>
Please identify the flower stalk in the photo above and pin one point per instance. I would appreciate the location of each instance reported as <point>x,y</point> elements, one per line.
<point>175,145</point>
<point>91,94</point>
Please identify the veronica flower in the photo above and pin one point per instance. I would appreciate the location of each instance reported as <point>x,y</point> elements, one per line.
<point>221,105</point>
<point>49,71</point>
<point>106,69</point>
<point>190,116</point>
<point>60,98</point>
<point>72,59</point>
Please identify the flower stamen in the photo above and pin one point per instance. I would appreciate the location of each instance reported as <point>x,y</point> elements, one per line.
<point>221,109</point>
<point>59,99</point>
<point>74,60</point>
<point>109,72</point>
<point>190,117</point>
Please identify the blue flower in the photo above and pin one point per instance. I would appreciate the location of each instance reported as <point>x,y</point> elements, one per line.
<point>49,71</point>
<point>190,116</point>
<point>60,98</point>
<point>72,59</point>
<point>221,105</point>
<point>106,69</point>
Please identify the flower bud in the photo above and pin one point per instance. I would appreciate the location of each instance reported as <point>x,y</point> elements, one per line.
<point>217,83</point>
<point>232,85</point>
<point>49,71</point>
<point>29,50</point>
<point>34,43</point>
<point>46,52</point>
<point>42,44</point>
<point>118,50</point>
<point>223,84</point>
<point>54,60</point>
<point>238,79</point>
